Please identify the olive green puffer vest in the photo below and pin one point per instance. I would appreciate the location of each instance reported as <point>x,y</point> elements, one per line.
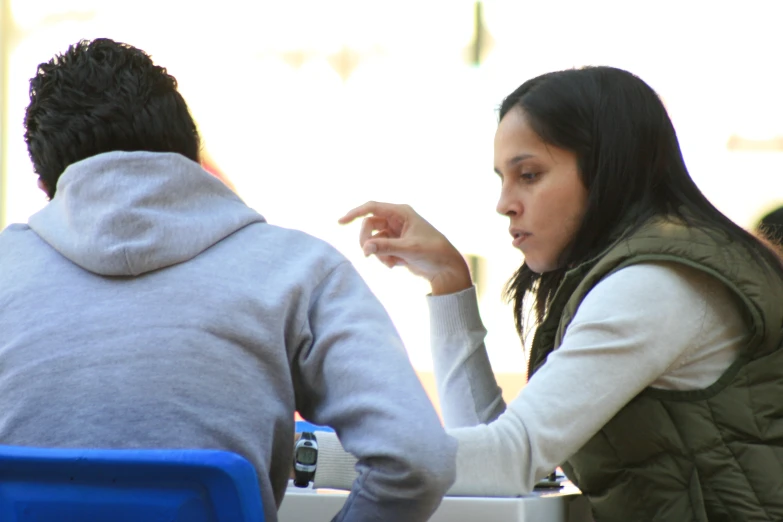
<point>677,456</point>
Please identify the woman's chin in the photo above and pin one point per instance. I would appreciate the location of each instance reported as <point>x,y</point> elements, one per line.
<point>538,266</point>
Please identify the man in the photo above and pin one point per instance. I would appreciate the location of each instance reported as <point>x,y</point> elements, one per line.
<point>147,306</point>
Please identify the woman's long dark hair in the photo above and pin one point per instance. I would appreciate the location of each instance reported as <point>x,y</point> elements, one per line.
<point>629,160</point>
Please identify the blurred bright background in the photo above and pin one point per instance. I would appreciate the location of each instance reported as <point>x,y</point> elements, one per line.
<point>310,108</point>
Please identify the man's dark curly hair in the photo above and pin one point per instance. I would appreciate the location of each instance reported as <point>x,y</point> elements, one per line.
<point>101,96</point>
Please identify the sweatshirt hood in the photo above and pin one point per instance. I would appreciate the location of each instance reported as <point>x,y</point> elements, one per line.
<point>128,213</point>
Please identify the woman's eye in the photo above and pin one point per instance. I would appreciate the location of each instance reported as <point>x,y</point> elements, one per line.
<point>529,176</point>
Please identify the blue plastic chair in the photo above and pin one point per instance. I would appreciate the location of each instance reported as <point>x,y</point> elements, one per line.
<point>94,485</point>
<point>309,426</point>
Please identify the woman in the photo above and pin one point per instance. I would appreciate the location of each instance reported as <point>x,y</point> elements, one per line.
<point>656,374</point>
<point>770,227</point>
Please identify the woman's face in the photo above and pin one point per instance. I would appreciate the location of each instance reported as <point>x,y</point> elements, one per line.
<point>542,193</point>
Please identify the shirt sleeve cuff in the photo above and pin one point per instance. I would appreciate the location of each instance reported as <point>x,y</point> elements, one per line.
<point>336,468</point>
<point>454,313</point>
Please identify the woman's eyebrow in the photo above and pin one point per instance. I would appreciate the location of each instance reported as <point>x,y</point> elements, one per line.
<point>516,159</point>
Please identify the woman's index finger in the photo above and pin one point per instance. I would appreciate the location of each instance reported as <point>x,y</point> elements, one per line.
<point>375,208</point>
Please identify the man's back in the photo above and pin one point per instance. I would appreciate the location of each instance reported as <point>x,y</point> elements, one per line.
<point>147,306</point>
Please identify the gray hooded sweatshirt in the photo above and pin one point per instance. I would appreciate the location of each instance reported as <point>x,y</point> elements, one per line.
<point>146,306</point>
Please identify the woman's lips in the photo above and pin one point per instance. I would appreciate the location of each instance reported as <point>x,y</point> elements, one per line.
<point>519,238</point>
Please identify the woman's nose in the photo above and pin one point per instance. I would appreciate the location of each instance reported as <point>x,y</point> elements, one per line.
<point>508,205</point>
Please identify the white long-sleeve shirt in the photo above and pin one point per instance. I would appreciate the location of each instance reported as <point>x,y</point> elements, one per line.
<point>654,324</point>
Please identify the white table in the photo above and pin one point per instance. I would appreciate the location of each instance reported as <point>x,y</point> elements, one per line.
<point>564,505</point>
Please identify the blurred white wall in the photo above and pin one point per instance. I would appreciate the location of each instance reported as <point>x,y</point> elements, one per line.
<point>313,107</point>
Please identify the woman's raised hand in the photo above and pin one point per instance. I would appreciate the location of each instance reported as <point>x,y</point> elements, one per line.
<point>398,236</point>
